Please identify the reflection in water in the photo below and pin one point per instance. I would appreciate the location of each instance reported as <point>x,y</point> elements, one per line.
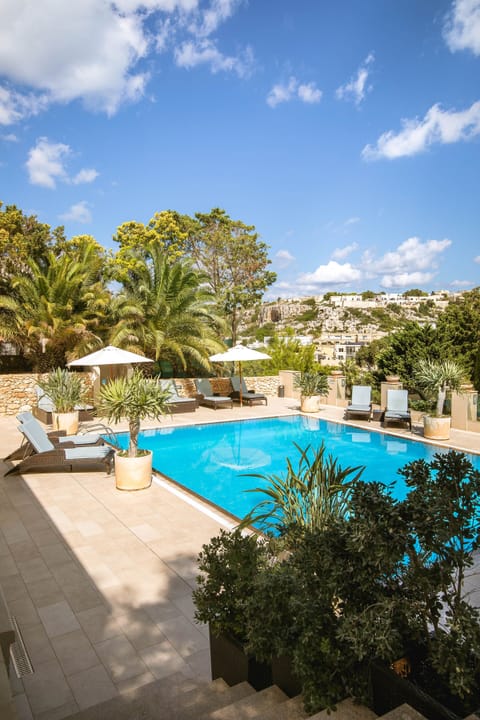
<point>360,437</point>
<point>240,459</point>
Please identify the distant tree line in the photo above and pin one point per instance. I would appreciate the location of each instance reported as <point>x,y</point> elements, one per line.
<point>174,289</point>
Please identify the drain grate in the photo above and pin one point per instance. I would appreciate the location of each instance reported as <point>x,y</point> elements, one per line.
<point>18,653</point>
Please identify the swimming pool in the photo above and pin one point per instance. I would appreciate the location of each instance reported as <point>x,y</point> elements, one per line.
<point>211,459</point>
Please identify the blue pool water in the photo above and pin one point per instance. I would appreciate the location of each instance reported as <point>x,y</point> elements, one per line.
<point>211,459</point>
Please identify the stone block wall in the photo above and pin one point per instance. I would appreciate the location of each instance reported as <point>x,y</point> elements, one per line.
<point>17,391</point>
<point>267,385</point>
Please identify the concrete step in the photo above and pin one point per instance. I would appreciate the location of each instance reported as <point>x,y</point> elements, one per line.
<point>403,712</point>
<point>250,707</point>
<point>291,709</point>
<point>172,698</point>
<point>346,710</point>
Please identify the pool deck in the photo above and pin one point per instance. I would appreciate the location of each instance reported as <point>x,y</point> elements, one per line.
<point>100,581</point>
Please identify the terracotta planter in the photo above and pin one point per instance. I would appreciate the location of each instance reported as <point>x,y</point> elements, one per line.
<point>310,403</point>
<point>133,473</point>
<point>65,421</point>
<point>436,428</point>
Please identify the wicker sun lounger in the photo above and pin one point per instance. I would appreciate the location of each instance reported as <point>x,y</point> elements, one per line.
<point>207,397</point>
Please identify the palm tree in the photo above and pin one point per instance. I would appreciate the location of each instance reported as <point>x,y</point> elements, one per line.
<point>435,377</point>
<point>57,308</point>
<point>167,311</point>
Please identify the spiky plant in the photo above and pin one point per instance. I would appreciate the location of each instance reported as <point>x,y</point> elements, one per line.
<point>436,377</point>
<point>65,389</point>
<point>135,398</point>
<point>311,383</point>
<point>306,497</point>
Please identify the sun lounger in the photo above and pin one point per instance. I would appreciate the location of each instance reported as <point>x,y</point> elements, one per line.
<point>49,457</point>
<point>397,408</point>
<point>249,397</point>
<point>176,403</point>
<point>206,396</point>
<point>56,438</point>
<point>361,404</point>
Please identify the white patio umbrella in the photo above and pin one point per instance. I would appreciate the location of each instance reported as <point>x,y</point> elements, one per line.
<point>239,353</point>
<point>109,355</point>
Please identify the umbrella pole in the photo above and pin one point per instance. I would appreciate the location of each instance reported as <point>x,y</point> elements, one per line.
<point>240,375</point>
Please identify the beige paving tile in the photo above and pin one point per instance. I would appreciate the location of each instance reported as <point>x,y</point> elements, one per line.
<point>120,658</point>
<point>8,566</point>
<point>55,554</point>
<point>92,687</point>
<point>184,636</point>
<point>69,573</point>
<point>34,570</point>
<point>58,619</point>
<point>15,532</point>
<point>145,532</point>
<point>25,550</point>
<point>135,682</point>
<point>59,713</point>
<point>44,536</point>
<point>162,660</point>
<point>161,611</point>
<point>38,644</point>
<point>82,597</point>
<point>99,624</point>
<point>74,652</point>
<point>47,688</point>
<point>13,587</point>
<point>199,663</point>
<point>22,707</point>
<point>88,528</point>
<point>140,629</point>
<point>45,592</point>
<point>24,611</point>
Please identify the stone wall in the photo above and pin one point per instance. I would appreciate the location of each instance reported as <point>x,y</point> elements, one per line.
<point>17,391</point>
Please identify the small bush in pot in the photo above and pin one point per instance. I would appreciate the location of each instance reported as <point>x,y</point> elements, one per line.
<point>65,389</point>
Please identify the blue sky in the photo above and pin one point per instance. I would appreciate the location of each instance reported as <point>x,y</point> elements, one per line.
<point>347,131</point>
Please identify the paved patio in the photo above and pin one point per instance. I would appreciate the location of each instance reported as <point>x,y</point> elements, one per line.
<point>100,581</point>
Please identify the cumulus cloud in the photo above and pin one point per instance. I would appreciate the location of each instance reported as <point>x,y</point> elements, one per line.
<point>461,283</point>
<point>87,175</point>
<point>46,165</point>
<point>405,279</point>
<point>410,256</point>
<point>96,51</point>
<point>9,137</point>
<point>204,52</point>
<point>292,90</point>
<point>462,26</point>
<point>343,252</point>
<point>284,258</point>
<point>438,126</point>
<point>332,273</point>
<point>78,213</point>
<point>357,88</point>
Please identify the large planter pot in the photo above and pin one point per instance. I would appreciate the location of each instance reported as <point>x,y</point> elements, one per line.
<point>436,428</point>
<point>65,421</point>
<point>133,473</point>
<point>284,677</point>
<point>389,690</point>
<point>230,662</point>
<point>310,403</point>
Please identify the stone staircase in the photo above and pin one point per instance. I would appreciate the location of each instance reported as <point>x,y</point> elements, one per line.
<point>178,698</point>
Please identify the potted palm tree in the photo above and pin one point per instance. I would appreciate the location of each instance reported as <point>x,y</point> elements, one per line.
<point>436,378</point>
<point>66,390</point>
<point>135,398</point>
<point>312,386</point>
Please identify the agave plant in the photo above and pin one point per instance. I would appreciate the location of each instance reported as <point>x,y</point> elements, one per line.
<point>311,383</point>
<point>436,377</point>
<point>306,497</point>
<point>65,389</point>
<point>136,398</point>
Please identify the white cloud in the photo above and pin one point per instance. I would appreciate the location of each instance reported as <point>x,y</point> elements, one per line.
<point>306,92</point>
<point>461,283</point>
<point>406,279</point>
<point>331,274</point>
<point>78,213</point>
<point>438,126</point>
<point>87,175</point>
<point>46,165</point>
<point>284,258</point>
<point>462,27</point>
<point>309,93</point>
<point>204,52</point>
<point>357,87</point>
<point>410,256</point>
<point>341,253</point>
<point>94,51</point>
<point>477,259</point>
<point>351,221</point>
<point>9,137</point>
